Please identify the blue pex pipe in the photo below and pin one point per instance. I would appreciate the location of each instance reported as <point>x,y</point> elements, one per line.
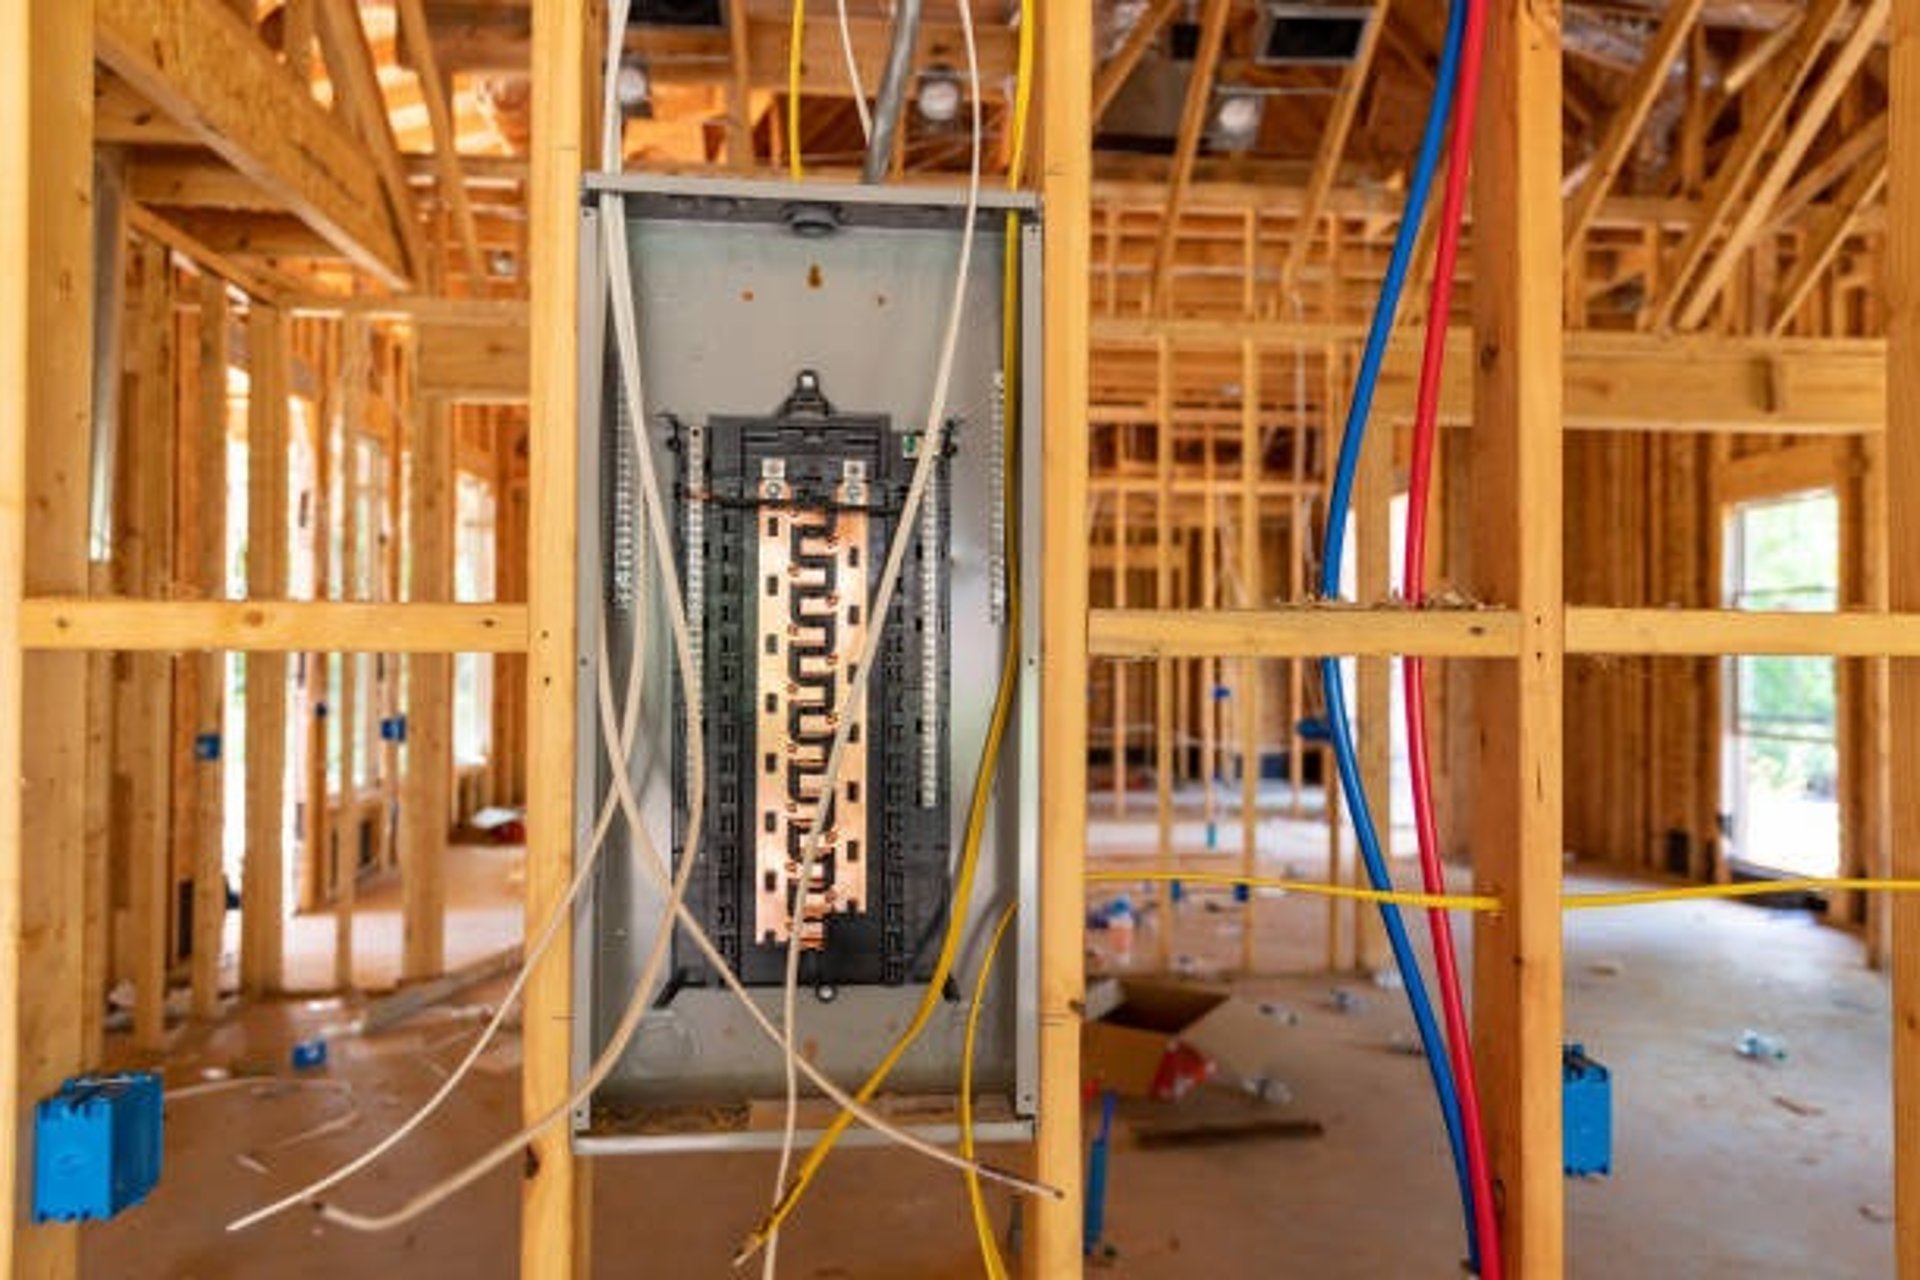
<point>1339,503</point>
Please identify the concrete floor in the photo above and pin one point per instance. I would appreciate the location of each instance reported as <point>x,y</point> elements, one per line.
<point>1724,1167</point>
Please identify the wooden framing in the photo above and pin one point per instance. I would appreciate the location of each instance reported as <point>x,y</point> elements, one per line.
<point>205,558</point>
<point>206,69</point>
<point>1750,148</point>
<point>45,335</point>
<point>556,1194</point>
<point>446,153</point>
<point>341,29</point>
<point>18,163</point>
<point>1623,127</point>
<point>1054,1226</point>
<point>1902,457</point>
<point>1774,246</point>
<point>143,683</point>
<point>1333,146</point>
<point>262,894</point>
<point>1515,555</point>
<point>1195,113</point>
<point>1114,72</point>
<point>426,803</point>
<point>1780,167</point>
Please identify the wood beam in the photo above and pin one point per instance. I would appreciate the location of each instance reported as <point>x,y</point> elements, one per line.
<point>1515,555</point>
<point>1373,676</point>
<point>17,292</point>
<point>1708,632</point>
<point>1824,239</point>
<point>199,63</point>
<point>1755,140</point>
<point>1902,454</point>
<point>1066,134</point>
<point>468,362</point>
<point>554,1226</point>
<point>1303,631</point>
<point>339,24</point>
<point>1629,116</point>
<point>1115,71</point>
<point>143,683</point>
<point>75,624</point>
<point>46,379</point>
<point>1612,381</point>
<point>426,802</point>
<point>1780,167</point>
<point>262,896</point>
<point>1843,159</point>
<point>356,337</point>
<point>121,117</point>
<point>446,149</point>
<point>196,179</point>
<point>678,55</point>
<point>256,282</point>
<point>740,145</point>
<point>204,564</point>
<point>228,234</point>
<point>1333,146</point>
<point>1755,59</point>
<point>1193,124</point>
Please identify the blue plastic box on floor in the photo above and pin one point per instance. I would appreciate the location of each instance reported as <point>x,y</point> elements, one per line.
<point>1586,1114</point>
<point>97,1147</point>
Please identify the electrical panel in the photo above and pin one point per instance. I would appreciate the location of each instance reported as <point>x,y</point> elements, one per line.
<point>789,338</point>
<point>785,523</point>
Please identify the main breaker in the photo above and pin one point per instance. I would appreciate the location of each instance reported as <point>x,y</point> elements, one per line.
<point>789,337</point>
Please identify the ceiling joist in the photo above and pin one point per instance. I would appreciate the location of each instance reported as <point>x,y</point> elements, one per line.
<point>202,66</point>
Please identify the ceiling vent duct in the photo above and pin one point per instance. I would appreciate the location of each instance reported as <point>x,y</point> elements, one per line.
<point>1320,35</point>
<point>676,13</point>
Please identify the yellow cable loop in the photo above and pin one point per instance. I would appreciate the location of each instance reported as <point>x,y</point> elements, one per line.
<point>795,168</point>
<point>1009,669</point>
<point>982,1224</point>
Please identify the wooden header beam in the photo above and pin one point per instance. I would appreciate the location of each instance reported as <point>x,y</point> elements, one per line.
<point>1612,381</point>
<point>202,65</point>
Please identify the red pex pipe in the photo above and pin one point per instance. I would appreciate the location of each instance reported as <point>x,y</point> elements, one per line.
<point>1420,489</point>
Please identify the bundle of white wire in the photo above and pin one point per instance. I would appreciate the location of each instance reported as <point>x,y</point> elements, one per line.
<point>617,733</point>
<point>932,446</point>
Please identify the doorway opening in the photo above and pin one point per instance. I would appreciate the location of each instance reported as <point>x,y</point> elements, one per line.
<point>1781,755</point>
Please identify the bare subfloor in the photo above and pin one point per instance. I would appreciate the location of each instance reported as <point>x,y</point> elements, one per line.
<point>1725,1167</point>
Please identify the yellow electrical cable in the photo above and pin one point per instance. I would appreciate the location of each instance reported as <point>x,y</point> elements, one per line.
<point>794,40</point>
<point>1399,898</point>
<point>1003,696</point>
<point>1589,901</point>
<point>1022,97</point>
<point>982,1224</point>
<point>1745,889</point>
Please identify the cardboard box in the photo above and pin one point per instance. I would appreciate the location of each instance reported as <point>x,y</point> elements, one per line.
<point>1133,1025</point>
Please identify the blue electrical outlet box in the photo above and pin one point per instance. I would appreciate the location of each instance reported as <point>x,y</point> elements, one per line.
<point>1586,1114</point>
<point>96,1147</point>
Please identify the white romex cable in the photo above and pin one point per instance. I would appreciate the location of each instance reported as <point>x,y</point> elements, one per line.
<point>932,445</point>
